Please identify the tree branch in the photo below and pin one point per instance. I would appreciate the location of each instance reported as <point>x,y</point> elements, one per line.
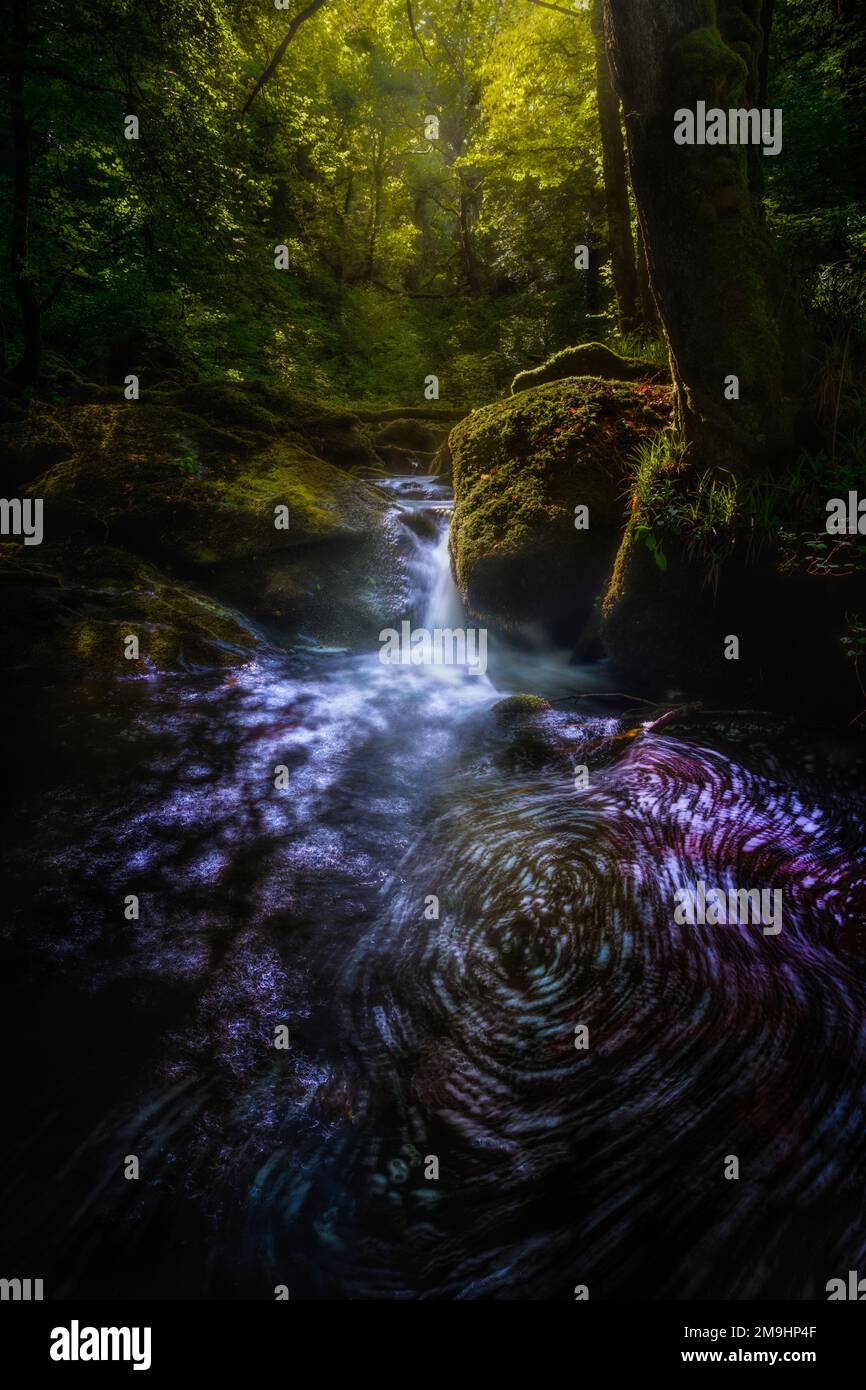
<point>279,52</point>
<point>415,33</point>
<point>560,9</point>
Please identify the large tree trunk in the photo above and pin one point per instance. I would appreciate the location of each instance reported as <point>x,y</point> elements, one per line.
<point>710,261</point>
<point>615,183</point>
<point>26,370</point>
<point>649,315</point>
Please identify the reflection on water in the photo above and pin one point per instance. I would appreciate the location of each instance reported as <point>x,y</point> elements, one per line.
<point>415,1035</point>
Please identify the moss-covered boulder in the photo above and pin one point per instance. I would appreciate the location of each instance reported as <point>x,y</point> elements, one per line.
<point>202,499</point>
<point>66,612</point>
<point>520,706</point>
<point>521,469</point>
<point>30,442</point>
<point>590,359</point>
<point>403,444</point>
<point>267,409</point>
<point>168,484</point>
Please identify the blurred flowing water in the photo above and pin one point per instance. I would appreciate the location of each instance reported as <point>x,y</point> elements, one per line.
<point>412,1035</point>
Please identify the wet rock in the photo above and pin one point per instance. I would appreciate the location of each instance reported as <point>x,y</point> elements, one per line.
<point>669,626</point>
<point>423,523</point>
<point>521,467</point>
<point>201,498</point>
<point>66,613</point>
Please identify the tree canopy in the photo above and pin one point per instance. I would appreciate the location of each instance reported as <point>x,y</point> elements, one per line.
<point>430,168</point>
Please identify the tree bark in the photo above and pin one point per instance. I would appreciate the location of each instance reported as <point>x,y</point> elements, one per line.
<point>622,252</point>
<point>595,245</point>
<point>711,264</point>
<point>280,51</point>
<point>649,315</point>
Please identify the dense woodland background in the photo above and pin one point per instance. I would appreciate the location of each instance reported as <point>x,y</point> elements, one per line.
<point>408,255</point>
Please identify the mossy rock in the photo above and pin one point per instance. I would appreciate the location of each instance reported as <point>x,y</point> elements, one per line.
<point>520,468</point>
<point>269,409</point>
<point>199,499</point>
<point>66,613</point>
<point>526,737</point>
<point>590,359</point>
<point>440,464</point>
<point>30,444</point>
<point>170,485</point>
<point>519,706</point>
<point>226,403</point>
<point>401,443</point>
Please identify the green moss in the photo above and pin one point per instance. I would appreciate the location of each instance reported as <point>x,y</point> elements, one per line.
<point>67,612</point>
<point>520,468</point>
<point>707,68</point>
<point>409,435</point>
<point>616,586</point>
<point>522,464</point>
<point>227,403</point>
<point>267,410</point>
<point>588,359</point>
<point>170,485</point>
<point>516,705</point>
<point>739,25</point>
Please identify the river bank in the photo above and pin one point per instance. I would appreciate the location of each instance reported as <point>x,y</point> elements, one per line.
<point>432,905</point>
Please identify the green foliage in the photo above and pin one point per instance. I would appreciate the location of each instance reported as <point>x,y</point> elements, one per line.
<point>407,256</point>
<point>641,347</point>
<point>712,514</point>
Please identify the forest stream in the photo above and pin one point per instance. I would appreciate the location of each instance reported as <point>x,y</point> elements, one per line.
<point>433,908</point>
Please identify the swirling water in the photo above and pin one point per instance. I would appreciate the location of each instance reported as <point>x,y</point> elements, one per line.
<point>418,1034</point>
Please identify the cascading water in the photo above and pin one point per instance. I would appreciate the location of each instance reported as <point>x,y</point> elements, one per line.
<point>444,608</point>
<point>433,912</point>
